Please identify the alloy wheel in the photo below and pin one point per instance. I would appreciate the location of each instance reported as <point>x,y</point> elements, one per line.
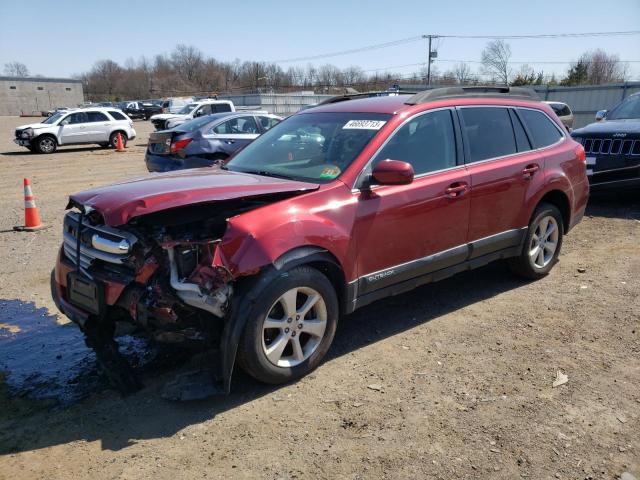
<point>294,327</point>
<point>544,242</point>
<point>47,145</point>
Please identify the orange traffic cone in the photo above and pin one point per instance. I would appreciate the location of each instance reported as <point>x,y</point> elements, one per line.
<point>31,217</point>
<point>119,143</point>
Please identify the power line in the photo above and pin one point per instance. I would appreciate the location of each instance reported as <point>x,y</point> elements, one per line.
<point>417,38</point>
<point>549,35</point>
<point>354,50</point>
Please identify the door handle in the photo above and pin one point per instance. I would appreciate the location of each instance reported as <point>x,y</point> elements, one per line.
<point>530,170</point>
<point>456,189</point>
<point>230,141</point>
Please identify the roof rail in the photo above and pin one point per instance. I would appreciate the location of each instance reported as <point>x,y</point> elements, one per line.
<point>475,91</point>
<point>355,96</point>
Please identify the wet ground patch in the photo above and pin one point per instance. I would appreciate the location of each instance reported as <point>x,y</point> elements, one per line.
<point>48,364</point>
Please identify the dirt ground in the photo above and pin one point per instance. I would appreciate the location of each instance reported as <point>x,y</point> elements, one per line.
<point>451,381</point>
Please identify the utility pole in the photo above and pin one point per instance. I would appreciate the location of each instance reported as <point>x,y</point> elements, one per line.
<point>430,56</point>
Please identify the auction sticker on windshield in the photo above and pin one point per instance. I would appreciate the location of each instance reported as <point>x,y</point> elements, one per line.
<point>364,124</point>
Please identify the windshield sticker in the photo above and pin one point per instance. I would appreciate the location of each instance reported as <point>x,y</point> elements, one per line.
<point>330,172</point>
<point>364,124</point>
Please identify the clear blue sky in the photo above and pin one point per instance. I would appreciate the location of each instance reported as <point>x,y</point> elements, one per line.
<point>64,37</point>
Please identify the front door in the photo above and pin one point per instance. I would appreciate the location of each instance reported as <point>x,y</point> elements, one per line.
<point>405,231</point>
<point>74,128</point>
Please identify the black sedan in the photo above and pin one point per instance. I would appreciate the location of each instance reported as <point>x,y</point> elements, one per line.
<point>206,140</point>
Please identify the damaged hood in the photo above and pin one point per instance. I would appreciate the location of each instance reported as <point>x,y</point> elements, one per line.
<point>121,202</point>
<point>34,126</point>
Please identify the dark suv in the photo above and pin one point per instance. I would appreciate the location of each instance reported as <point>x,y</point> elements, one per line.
<point>331,209</point>
<point>612,146</point>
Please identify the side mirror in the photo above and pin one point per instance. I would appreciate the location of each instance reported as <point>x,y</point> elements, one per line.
<point>601,115</point>
<point>392,172</point>
<point>64,122</point>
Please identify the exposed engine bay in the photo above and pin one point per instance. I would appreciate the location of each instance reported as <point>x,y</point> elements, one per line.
<point>161,273</point>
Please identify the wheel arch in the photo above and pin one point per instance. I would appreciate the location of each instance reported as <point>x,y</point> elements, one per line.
<point>559,199</point>
<point>320,259</point>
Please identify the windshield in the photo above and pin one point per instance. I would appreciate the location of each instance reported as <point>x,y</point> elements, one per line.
<point>315,147</point>
<point>187,108</point>
<point>630,108</point>
<point>54,118</point>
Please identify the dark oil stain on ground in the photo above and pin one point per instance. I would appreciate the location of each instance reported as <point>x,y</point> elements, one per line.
<point>43,360</point>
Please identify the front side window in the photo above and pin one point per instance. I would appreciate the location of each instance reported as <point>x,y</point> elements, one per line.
<point>97,117</point>
<point>542,129</point>
<point>203,110</point>
<point>315,147</point>
<point>79,117</point>
<point>630,108</point>
<point>489,132</point>
<point>237,125</point>
<point>427,142</point>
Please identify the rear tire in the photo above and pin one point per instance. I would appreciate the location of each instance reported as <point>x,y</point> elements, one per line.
<point>290,327</point>
<point>45,144</point>
<point>114,138</point>
<point>542,243</point>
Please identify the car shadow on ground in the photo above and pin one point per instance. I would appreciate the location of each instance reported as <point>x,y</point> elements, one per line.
<point>57,152</point>
<point>57,361</point>
<point>624,204</point>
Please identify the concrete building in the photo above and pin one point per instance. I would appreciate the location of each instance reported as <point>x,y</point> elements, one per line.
<point>32,95</point>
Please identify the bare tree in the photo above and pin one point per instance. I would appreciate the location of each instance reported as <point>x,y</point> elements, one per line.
<point>603,68</point>
<point>16,69</point>
<point>495,60</point>
<point>462,72</point>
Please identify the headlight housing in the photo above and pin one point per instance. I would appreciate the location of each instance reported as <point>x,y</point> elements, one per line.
<point>27,133</point>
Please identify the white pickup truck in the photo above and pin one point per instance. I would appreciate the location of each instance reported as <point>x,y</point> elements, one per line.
<point>165,121</point>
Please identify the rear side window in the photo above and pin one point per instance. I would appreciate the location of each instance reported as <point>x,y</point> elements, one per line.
<point>117,115</point>
<point>543,131</point>
<point>267,122</point>
<point>97,117</point>
<point>561,109</point>
<point>427,142</point>
<point>221,107</point>
<point>489,132</point>
<point>522,141</point>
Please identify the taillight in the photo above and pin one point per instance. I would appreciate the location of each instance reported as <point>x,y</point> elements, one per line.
<point>180,144</point>
<point>580,153</point>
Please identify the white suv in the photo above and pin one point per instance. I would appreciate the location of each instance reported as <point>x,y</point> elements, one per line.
<point>164,121</point>
<point>74,127</point>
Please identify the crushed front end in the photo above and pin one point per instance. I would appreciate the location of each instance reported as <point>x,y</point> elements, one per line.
<point>161,274</point>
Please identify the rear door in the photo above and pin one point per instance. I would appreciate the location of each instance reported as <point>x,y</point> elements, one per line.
<point>505,171</point>
<point>234,134</point>
<point>98,127</point>
<point>405,231</point>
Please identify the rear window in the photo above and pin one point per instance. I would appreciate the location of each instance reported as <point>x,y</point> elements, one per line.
<point>221,107</point>
<point>117,115</point>
<point>489,132</point>
<point>542,130</point>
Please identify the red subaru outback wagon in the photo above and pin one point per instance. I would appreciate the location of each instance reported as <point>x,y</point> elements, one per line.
<point>335,207</point>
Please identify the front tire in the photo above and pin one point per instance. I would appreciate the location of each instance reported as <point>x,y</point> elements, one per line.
<point>290,327</point>
<point>45,144</point>
<point>541,245</point>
